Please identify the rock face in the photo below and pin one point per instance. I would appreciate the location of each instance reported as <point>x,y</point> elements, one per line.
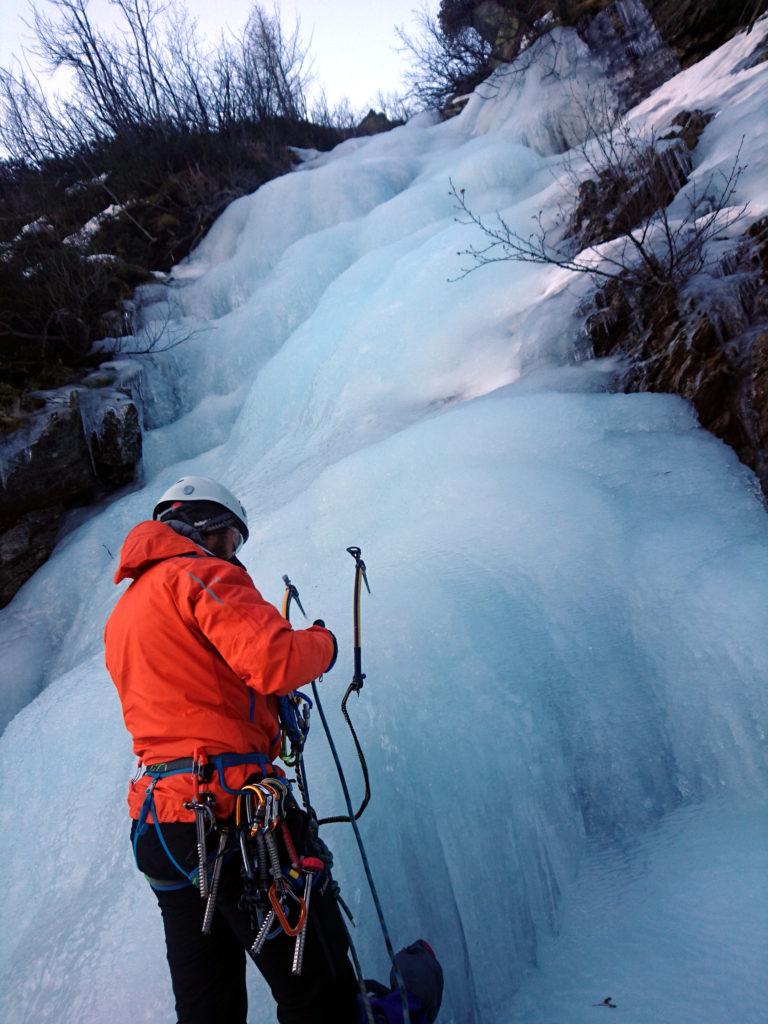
<point>690,29</point>
<point>25,547</point>
<point>709,345</point>
<point>694,28</point>
<point>112,426</point>
<point>373,123</point>
<point>636,55</point>
<point>84,442</point>
<point>702,334</point>
<point>632,187</point>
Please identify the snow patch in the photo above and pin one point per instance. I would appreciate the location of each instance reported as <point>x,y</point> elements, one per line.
<point>83,237</point>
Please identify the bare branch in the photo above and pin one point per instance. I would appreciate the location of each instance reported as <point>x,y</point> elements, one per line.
<point>442,65</point>
<point>630,231</point>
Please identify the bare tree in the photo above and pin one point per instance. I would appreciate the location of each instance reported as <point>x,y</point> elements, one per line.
<point>442,64</point>
<point>395,106</point>
<point>276,66</point>
<point>340,115</point>
<point>150,76</point>
<point>619,222</point>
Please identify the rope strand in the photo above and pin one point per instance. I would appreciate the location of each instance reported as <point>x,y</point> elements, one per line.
<point>364,857</point>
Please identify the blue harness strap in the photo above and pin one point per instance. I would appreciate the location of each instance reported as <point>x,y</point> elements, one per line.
<point>224,761</point>
<point>141,827</point>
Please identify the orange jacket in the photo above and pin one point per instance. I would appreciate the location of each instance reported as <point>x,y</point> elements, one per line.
<point>199,658</point>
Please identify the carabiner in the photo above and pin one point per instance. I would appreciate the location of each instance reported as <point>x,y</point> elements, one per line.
<point>288,928</point>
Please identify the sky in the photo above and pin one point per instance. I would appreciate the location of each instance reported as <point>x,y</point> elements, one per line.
<point>353,41</point>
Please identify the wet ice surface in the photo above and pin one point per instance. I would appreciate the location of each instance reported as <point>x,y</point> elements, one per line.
<point>673,928</point>
<point>565,646</point>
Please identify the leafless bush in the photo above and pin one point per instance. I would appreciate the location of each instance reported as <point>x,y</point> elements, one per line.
<point>341,115</point>
<point>395,106</point>
<point>621,224</point>
<point>139,336</point>
<point>51,296</point>
<point>151,76</point>
<point>443,64</point>
<point>164,128</point>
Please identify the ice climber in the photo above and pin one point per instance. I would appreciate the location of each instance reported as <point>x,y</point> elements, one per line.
<point>199,660</point>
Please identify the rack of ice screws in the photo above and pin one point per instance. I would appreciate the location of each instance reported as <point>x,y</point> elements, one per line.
<point>277,896</point>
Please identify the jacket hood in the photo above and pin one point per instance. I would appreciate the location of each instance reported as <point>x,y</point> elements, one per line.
<point>148,543</point>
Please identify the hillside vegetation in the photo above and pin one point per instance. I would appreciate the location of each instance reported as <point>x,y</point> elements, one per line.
<point>104,189</point>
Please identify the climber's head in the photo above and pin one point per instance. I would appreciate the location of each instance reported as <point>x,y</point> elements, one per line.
<point>208,509</point>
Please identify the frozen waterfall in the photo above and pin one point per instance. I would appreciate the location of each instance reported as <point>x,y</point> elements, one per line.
<point>566,642</point>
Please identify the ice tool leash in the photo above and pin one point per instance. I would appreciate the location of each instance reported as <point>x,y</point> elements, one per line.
<point>358,677</point>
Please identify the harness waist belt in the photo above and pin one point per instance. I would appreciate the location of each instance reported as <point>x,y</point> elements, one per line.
<point>216,763</point>
<point>204,772</point>
<point>184,764</point>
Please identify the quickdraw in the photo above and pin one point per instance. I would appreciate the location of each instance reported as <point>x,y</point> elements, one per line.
<point>260,817</point>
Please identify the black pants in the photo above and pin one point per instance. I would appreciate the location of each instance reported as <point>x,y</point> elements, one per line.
<point>208,971</point>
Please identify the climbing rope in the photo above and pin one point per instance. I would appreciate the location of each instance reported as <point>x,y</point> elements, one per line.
<point>354,687</point>
<point>351,817</point>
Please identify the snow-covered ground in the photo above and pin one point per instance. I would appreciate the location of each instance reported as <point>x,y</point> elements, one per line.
<point>565,708</point>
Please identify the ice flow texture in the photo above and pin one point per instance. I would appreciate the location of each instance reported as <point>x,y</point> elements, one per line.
<point>565,645</point>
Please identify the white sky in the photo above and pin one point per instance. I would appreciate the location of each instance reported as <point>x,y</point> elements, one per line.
<point>353,41</point>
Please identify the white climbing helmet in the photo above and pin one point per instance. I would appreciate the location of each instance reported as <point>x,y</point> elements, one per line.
<point>201,488</point>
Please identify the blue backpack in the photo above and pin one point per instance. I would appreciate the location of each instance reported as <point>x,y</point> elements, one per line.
<point>423,979</point>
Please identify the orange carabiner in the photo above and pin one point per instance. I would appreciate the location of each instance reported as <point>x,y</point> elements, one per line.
<point>288,928</point>
<point>259,796</point>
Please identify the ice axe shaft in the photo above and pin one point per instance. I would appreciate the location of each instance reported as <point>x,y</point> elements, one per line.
<point>360,577</point>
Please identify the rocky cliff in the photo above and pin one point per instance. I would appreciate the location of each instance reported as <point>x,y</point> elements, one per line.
<point>706,338</point>
<point>70,426</point>
<point>708,343</point>
<point>690,28</point>
<point>83,443</point>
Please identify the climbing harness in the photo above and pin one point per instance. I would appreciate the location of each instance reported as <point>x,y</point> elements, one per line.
<point>277,896</point>
<point>273,892</point>
<point>202,769</point>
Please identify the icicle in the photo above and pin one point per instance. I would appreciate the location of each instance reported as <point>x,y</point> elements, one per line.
<point>635,56</point>
<point>88,405</point>
<point>643,38</point>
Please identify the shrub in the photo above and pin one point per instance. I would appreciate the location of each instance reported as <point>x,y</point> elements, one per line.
<point>443,64</point>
